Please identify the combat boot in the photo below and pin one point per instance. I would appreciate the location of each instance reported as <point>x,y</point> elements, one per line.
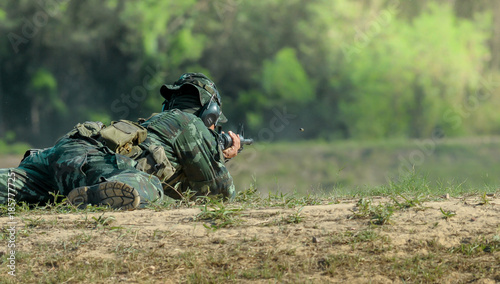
<point>115,194</point>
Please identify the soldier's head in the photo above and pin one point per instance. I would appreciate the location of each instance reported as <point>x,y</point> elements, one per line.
<point>195,93</point>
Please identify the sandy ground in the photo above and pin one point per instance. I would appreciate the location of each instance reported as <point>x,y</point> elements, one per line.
<point>322,231</point>
<point>8,161</point>
<point>296,245</point>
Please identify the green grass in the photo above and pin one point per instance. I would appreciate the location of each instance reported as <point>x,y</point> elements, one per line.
<point>447,214</point>
<point>147,256</point>
<point>319,174</point>
<point>454,166</point>
<point>366,168</point>
<point>218,214</point>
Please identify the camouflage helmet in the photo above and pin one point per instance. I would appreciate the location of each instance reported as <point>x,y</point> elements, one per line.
<point>206,89</point>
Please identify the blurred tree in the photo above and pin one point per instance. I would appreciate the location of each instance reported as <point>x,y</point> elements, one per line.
<point>284,80</point>
<point>56,56</point>
<point>470,10</point>
<point>345,68</point>
<point>283,85</point>
<point>44,100</point>
<point>408,77</point>
<point>241,35</point>
<point>3,17</point>
<point>330,38</point>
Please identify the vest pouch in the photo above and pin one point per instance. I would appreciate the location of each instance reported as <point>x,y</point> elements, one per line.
<point>155,162</point>
<point>122,135</point>
<point>89,129</point>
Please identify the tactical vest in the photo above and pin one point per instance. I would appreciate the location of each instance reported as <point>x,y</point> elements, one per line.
<point>163,128</point>
<point>124,137</point>
<point>121,137</point>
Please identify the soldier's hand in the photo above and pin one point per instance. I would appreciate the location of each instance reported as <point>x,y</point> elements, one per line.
<point>232,151</point>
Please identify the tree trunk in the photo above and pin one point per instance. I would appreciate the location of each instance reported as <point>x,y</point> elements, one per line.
<point>35,118</point>
<point>2,112</point>
<point>417,120</point>
<point>495,39</point>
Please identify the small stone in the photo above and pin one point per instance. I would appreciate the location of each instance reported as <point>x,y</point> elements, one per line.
<point>315,240</point>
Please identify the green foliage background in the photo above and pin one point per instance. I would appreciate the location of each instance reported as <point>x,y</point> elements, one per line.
<point>339,69</point>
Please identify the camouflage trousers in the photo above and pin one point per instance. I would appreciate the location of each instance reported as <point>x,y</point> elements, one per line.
<point>72,163</point>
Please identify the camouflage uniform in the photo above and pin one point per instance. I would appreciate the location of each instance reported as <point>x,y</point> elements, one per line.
<point>195,158</point>
<point>74,161</point>
<point>179,150</point>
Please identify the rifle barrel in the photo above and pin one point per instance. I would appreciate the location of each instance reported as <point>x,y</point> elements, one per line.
<point>247,141</point>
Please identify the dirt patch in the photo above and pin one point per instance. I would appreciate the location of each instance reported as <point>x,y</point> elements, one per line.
<point>9,161</point>
<point>443,241</point>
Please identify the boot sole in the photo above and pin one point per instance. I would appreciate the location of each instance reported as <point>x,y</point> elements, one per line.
<point>114,194</point>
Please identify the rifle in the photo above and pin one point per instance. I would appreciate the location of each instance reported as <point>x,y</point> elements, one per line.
<point>225,141</point>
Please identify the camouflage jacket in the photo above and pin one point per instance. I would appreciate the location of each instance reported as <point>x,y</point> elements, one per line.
<point>185,155</point>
